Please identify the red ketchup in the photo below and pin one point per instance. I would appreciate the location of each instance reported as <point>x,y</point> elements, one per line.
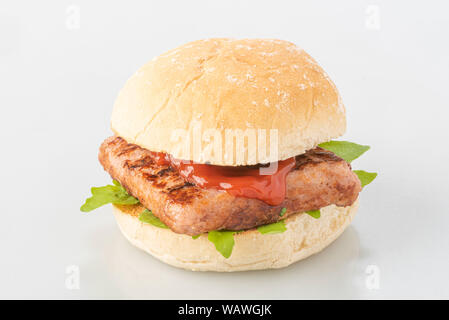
<point>241,181</point>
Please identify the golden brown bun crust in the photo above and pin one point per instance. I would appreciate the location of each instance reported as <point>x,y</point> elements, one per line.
<point>230,84</point>
<point>252,251</point>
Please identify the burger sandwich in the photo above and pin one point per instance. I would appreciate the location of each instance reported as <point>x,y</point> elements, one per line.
<point>223,157</point>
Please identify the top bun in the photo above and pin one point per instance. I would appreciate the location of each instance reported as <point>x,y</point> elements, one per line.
<point>206,88</point>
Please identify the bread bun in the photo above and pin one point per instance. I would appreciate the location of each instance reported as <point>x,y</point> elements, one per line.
<point>220,84</point>
<point>252,250</point>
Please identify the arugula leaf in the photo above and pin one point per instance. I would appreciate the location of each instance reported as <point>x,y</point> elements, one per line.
<point>148,217</point>
<point>108,194</point>
<point>314,213</point>
<point>283,211</point>
<point>115,182</point>
<point>223,241</point>
<point>349,151</point>
<point>272,228</point>
<point>365,177</point>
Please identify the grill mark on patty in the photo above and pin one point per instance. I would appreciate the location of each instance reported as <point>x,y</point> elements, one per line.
<point>139,163</point>
<point>184,194</point>
<point>187,184</point>
<point>127,149</point>
<point>164,172</point>
<point>318,155</point>
<point>150,177</point>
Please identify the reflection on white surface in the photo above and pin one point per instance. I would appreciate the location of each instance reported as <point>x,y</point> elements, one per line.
<point>137,274</point>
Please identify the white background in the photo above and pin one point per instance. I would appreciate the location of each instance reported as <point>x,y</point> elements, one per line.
<point>59,77</point>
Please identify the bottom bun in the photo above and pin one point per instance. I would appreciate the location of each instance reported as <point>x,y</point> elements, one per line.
<point>252,250</point>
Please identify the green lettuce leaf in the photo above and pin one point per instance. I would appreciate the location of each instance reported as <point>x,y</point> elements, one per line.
<point>116,183</point>
<point>365,177</point>
<point>108,194</point>
<point>148,217</point>
<point>223,241</point>
<point>196,237</point>
<point>314,213</point>
<point>272,228</point>
<point>349,151</point>
<point>283,211</point>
